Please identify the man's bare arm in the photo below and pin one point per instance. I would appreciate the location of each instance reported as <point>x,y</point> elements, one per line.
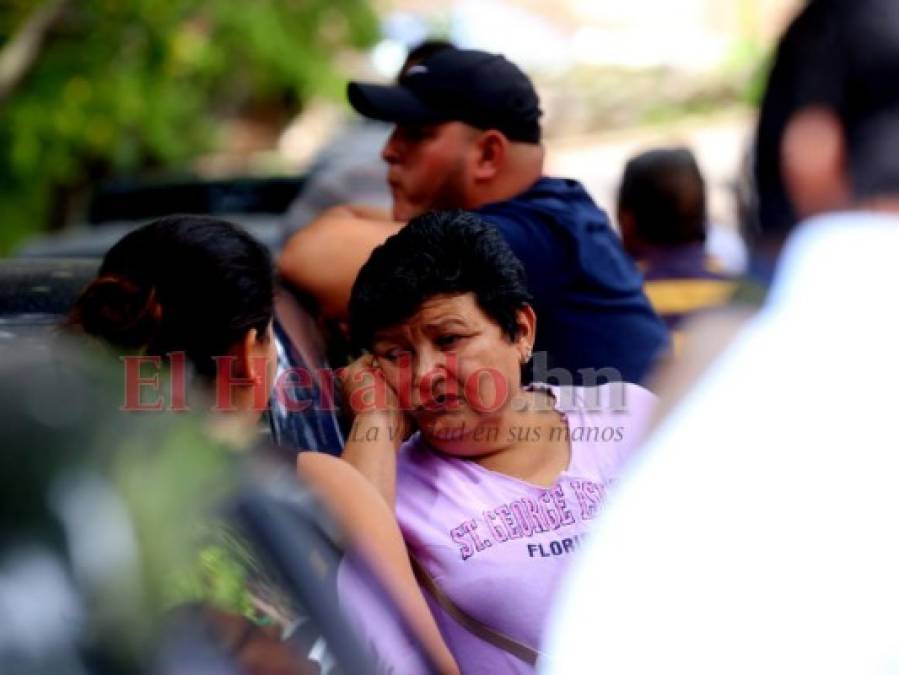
<point>363,211</point>
<point>323,259</point>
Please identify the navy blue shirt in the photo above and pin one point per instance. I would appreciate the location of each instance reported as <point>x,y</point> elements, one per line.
<point>588,295</point>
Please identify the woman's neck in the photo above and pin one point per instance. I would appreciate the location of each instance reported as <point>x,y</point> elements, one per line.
<point>539,448</point>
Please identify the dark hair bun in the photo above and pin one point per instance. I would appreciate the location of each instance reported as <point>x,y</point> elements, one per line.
<point>120,310</point>
<point>183,283</point>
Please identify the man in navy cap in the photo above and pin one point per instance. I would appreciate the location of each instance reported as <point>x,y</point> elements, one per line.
<point>468,136</point>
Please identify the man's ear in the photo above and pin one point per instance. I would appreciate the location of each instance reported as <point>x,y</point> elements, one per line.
<point>491,149</point>
<point>526,322</point>
<point>814,162</point>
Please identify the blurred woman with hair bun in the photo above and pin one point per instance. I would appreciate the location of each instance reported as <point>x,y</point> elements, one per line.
<point>193,285</point>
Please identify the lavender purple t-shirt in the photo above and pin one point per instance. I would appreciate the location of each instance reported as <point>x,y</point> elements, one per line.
<point>498,546</point>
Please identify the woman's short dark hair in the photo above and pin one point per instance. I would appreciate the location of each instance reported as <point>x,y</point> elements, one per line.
<point>191,284</point>
<point>439,253</point>
<point>842,55</point>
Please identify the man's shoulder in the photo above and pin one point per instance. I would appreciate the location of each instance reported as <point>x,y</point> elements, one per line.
<point>545,189</point>
<point>550,200</point>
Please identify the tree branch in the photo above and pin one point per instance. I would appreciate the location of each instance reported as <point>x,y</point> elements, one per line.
<point>20,53</point>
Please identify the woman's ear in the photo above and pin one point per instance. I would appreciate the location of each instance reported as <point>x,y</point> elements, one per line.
<point>814,163</point>
<point>251,362</point>
<point>491,148</point>
<point>526,322</point>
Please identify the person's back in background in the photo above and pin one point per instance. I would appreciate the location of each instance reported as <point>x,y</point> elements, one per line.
<point>468,136</point>
<point>663,219</point>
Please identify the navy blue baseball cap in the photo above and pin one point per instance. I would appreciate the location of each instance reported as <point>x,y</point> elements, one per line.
<point>481,89</point>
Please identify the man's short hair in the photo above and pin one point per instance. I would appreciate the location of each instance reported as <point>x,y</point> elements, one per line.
<point>664,192</point>
<point>842,55</point>
<point>481,89</point>
<point>438,253</point>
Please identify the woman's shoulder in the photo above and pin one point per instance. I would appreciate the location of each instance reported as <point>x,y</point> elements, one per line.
<point>610,398</point>
<point>606,424</point>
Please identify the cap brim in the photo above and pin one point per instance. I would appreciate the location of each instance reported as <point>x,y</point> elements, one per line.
<point>390,104</point>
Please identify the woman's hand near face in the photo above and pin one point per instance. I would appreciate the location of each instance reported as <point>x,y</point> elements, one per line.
<point>369,395</point>
<point>379,424</point>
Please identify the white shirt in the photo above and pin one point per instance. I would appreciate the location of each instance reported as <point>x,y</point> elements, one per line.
<point>759,531</point>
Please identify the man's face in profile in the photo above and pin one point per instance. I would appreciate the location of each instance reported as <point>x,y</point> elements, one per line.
<point>428,167</point>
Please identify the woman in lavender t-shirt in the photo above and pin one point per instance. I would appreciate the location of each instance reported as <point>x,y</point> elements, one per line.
<point>499,483</point>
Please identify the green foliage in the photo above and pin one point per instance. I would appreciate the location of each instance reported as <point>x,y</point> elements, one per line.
<point>219,579</point>
<point>172,476</point>
<point>747,64</point>
<point>126,85</point>
<point>174,482</point>
<point>758,80</point>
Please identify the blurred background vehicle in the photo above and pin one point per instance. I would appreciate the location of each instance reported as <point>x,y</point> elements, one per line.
<point>116,208</point>
<point>36,294</point>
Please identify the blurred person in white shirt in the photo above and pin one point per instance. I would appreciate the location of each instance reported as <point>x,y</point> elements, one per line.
<point>756,530</point>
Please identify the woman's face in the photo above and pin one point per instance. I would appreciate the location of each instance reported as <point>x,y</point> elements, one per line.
<point>455,371</point>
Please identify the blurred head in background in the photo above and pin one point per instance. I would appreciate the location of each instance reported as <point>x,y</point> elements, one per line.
<point>190,284</point>
<point>662,215</point>
<point>662,201</point>
<point>828,135</point>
